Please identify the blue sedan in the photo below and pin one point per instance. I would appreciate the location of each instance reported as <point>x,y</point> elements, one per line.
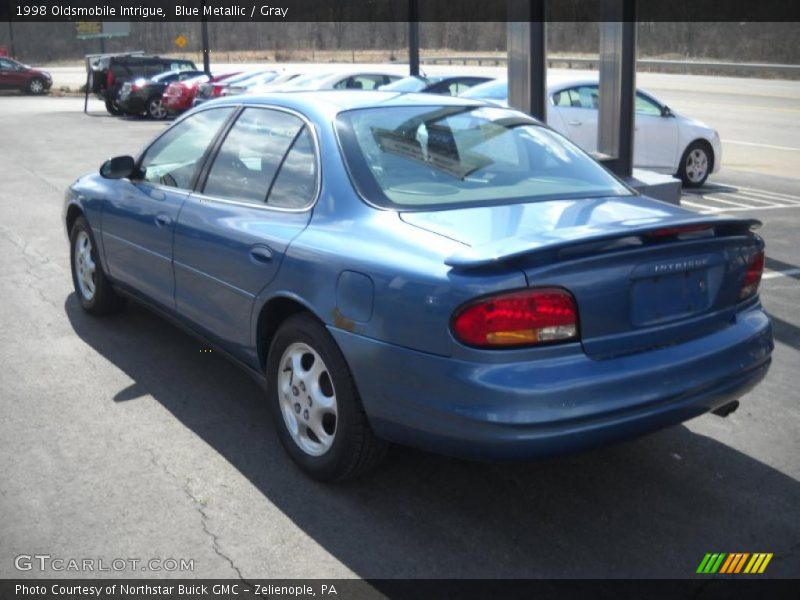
<point>428,271</point>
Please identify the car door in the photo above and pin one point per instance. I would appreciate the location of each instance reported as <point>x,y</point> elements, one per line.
<point>231,237</point>
<point>656,135</point>
<point>139,216</point>
<point>11,77</point>
<point>574,113</point>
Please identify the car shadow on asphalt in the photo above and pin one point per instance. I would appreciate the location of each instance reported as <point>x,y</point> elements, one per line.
<point>647,508</point>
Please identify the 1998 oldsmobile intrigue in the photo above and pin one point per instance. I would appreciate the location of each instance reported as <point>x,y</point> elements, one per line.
<point>429,271</point>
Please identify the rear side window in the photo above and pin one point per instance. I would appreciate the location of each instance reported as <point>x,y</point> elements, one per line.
<point>251,155</point>
<point>174,158</point>
<point>296,183</point>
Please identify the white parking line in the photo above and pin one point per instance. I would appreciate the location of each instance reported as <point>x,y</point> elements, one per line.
<point>761,145</point>
<point>776,274</point>
<point>730,197</point>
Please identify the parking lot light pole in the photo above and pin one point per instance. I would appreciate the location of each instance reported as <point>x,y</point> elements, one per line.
<point>204,35</point>
<point>11,39</point>
<point>413,38</point>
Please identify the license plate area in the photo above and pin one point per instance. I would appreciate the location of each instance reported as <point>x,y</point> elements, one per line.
<point>668,291</point>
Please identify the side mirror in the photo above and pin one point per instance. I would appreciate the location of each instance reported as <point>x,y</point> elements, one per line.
<point>666,111</point>
<point>118,167</point>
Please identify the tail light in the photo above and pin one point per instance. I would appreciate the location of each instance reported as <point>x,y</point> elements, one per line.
<point>216,90</point>
<point>109,78</point>
<point>676,231</point>
<point>752,276</point>
<point>521,318</point>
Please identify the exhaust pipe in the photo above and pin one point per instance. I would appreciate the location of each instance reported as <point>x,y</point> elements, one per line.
<point>724,411</point>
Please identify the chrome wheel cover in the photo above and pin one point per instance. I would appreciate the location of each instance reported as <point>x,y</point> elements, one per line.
<point>36,87</point>
<point>85,268</point>
<point>696,165</point>
<point>307,399</point>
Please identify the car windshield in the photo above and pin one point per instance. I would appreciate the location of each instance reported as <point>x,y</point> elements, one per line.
<point>406,84</point>
<point>423,157</point>
<point>493,90</point>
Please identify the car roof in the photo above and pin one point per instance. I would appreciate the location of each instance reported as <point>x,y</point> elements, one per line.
<point>328,103</point>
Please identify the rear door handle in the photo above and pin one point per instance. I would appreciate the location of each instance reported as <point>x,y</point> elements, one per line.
<point>163,220</point>
<point>574,122</point>
<point>261,254</point>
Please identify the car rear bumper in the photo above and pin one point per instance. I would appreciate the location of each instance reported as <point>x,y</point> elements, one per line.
<point>548,407</point>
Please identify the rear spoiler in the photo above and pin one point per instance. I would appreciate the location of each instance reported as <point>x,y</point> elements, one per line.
<point>558,239</point>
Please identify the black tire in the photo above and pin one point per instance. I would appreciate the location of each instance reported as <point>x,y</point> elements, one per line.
<point>688,172</point>
<point>113,108</point>
<point>155,109</point>
<point>36,87</point>
<point>104,300</point>
<point>355,450</point>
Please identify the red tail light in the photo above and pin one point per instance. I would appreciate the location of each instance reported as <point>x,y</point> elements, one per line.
<point>109,78</point>
<point>521,318</point>
<point>752,277</point>
<point>216,90</point>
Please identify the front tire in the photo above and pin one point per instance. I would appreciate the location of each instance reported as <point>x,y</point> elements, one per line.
<point>36,87</point>
<point>315,404</point>
<point>696,164</point>
<point>92,287</point>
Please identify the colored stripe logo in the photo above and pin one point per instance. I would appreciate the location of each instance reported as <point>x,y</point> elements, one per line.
<point>734,563</point>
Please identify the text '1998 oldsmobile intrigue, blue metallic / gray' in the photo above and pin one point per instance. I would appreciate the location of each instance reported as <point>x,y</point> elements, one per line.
<point>429,271</point>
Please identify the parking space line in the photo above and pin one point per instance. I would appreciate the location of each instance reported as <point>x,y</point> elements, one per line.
<point>701,207</point>
<point>764,193</point>
<point>771,146</point>
<point>723,201</point>
<point>776,274</point>
<point>749,199</point>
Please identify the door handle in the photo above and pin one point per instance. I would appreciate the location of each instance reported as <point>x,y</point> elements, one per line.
<point>163,220</point>
<point>261,254</point>
<point>574,122</point>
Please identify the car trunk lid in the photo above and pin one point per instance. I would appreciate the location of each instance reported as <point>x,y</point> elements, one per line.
<point>644,274</point>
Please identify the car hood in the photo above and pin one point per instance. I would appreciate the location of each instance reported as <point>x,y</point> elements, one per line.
<point>493,232</point>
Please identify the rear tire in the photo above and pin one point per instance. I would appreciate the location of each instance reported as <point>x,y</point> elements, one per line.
<point>696,164</point>
<point>155,109</point>
<point>93,289</point>
<point>310,389</point>
<point>113,108</point>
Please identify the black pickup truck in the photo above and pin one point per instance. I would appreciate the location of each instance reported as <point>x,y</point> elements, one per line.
<point>109,73</point>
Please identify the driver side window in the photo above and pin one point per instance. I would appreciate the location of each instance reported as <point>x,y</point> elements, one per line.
<point>174,158</point>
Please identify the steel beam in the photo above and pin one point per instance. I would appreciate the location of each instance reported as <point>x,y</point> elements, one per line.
<point>616,118</point>
<point>527,60</point>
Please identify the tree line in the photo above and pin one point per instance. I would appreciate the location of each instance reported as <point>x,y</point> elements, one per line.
<point>742,42</point>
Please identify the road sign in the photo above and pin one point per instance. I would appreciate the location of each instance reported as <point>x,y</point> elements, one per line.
<point>180,41</point>
<point>87,30</point>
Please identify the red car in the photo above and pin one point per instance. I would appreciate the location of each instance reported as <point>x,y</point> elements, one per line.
<point>179,95</point>
<point>16,76</point>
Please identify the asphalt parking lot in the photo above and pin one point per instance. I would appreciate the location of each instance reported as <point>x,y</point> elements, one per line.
<point>122,438</point>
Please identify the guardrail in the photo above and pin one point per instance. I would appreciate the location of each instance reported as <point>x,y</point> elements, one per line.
<point>686,66</point>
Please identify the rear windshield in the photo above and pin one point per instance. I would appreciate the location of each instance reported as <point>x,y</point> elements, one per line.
<point>423,157</point>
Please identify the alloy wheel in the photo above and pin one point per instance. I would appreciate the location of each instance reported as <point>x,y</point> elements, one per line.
<point>307,399</point>
<point>85,267</point>
<point>696,165</point>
